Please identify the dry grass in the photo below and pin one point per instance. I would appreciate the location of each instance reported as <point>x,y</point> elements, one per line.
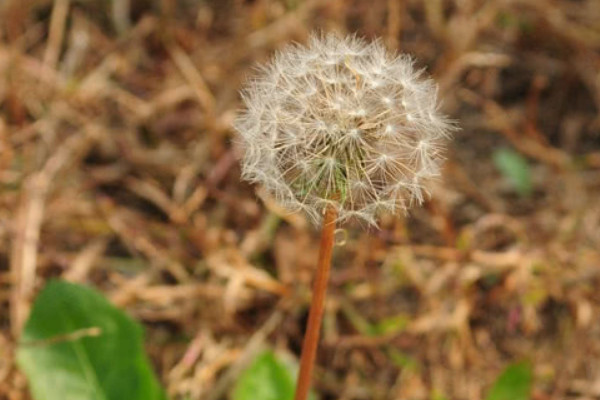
<point>117,170</point>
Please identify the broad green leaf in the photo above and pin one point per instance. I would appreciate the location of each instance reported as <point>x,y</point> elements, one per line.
<point>513,384</point>
<point>77,346</point>
<point>515,168</point>
<point>265,379</point>
<point>268,378</point>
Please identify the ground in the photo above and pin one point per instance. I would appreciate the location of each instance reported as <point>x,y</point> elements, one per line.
<point>119,169</point>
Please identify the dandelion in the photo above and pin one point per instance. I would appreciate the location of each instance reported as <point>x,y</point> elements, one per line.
<point>340,129</point>
<point>342,123</point>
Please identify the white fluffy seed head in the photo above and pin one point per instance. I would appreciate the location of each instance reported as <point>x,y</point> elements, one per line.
<point>343,123</point>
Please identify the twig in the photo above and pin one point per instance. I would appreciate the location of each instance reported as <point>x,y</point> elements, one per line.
<point>120,15</point>
<point>85,260</point>
<point>31,215</point>
<point>57,32</point>
<point>252,347</point>
<point>193,77</point>
<point>93,331</point>
<point>394,23</point>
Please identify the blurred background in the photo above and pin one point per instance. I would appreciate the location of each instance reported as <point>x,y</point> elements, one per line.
<point>118,171</point>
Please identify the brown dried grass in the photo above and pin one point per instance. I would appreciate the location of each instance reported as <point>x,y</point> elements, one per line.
<point>117,170</point>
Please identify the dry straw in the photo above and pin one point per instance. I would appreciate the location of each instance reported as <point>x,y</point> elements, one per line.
<point>340,129</point>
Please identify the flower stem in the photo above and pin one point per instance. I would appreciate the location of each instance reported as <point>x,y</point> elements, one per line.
<point>311,337</point>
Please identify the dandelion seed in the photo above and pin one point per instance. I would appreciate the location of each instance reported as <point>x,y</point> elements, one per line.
<point>342,123</point>
<point>340,129</point>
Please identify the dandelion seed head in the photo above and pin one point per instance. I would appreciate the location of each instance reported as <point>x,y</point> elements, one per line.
<point>341,122</point>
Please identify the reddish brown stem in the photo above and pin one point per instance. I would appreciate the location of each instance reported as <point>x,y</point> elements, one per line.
<point>313,328</point>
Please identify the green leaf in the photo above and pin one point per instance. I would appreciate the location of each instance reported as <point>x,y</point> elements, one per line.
<point>402,360</point>
<point>76,345</point>
<point>390,325</point>
<point>265,379</point>
<point>360,323</point>
<point>513,384</point>
<point>515,168</point>
<point>268,378</point>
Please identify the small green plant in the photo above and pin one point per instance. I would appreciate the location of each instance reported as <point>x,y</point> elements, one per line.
<point>267,378</point>
<point>515,168</point>
<point>513,384</point>
<point>76,345</point>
